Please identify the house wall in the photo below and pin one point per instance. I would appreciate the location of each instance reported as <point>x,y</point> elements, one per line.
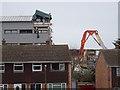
<point>23,38</point>
<point>115,79</point>
<point>102,72</point>
<point>11,77</point>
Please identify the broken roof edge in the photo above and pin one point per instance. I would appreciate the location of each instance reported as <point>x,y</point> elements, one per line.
<point>42,14</point>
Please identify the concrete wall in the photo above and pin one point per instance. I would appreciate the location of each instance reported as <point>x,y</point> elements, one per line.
<point>23,38</point>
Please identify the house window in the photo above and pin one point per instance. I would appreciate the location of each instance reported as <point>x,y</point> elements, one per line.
<point>118,71</point>
<point>28,31</point>
<point>116,88</point>
<point>2,67</point>
<point>18,67</point>
<point>11,31</point>
<point>3,87</point>
<point>56,86</point>
<point>19,86</point>
<point>35,86</point>
<point>11,44</point>
<point>36,67</point>
<point>57,67</point>
<point>26,43</point>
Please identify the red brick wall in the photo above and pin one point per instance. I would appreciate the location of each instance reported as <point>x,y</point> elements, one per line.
<point>103,74</point>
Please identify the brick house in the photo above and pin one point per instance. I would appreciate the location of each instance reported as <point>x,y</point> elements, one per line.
<point>108,69</point>
<point>35,67</point>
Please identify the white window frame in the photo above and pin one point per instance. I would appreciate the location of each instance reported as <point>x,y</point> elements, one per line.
<point>15,64</point>
<point>53,84</point>
<point>118,71</point>
<point>63,67</point>
<point>59,67</point>
<point>33,65</point>
<point>10,31</point>
<point>3,85</point>
<point>2,64</point>
<point>20,86</point>
<point>35,85</point>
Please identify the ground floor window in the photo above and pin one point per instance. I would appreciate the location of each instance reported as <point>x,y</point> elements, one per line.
<point>56,86</point>
<point>3,87</point>
<point>19,87</point>
<point>116,88</point>
<point>35,86</point>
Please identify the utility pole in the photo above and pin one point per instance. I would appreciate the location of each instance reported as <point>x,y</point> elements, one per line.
<point>45,77</point>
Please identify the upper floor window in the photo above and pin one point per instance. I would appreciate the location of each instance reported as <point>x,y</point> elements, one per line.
<point>11,31</point>
<point>26,31</point>
<point>18,67</point>
<point>118,71</point>
<point>26,43</point>
<point>57,67</point>
<point>2,67</point>
<point>36,67</point>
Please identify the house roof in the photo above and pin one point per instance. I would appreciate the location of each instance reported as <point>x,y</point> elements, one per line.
<point>15,18</point>
<point>33,53</point>
<point>112,57</point>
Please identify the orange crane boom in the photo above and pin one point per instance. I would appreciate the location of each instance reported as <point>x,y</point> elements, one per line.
<point>85,37</point>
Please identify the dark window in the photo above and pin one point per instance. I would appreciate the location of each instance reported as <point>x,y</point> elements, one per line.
<point>35,86</point>
<point>23,86</point>
<point>25,31</point>
<point>26,44</point>
<point>55,66</point>
<point>58,66</point>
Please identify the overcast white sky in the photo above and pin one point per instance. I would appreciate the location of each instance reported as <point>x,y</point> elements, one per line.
<point>71,19</point>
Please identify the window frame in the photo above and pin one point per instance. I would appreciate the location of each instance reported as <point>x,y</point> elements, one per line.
<point>26,31</point>
<point>33,65</point>
<point>58,66</point>
<point>118,71</point>
<point>22,65</point>
<point>2,65</point>
<point>35,85</point>
<point>3,85</point>
<point>10,31</point>
<point>56,84</point>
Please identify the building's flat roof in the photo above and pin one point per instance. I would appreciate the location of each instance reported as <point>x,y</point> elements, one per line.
<point>15,18</point>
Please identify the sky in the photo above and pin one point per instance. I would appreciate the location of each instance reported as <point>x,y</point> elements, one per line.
<point>71,19</point>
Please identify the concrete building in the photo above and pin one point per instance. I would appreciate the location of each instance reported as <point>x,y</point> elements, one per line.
<point>25,30</point>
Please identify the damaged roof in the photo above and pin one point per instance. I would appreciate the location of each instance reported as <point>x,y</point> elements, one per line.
<point>112,57</point>
<point>41,14</point>
<point>27,53</point>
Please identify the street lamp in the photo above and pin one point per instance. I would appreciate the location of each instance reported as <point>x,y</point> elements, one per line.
<point>45,75</point>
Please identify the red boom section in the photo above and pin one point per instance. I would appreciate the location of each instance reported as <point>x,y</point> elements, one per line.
<point>85,37</point>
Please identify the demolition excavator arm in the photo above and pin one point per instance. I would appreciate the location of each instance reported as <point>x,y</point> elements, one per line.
<point>85,37</point>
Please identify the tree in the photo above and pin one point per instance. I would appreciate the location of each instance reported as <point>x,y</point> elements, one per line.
<point>117,43</point>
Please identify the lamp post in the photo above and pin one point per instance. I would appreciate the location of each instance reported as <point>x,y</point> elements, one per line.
<point>45,76</point>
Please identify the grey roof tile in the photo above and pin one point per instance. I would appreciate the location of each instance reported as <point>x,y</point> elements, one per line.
<point>25,53</point>
<point>112,57</point>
